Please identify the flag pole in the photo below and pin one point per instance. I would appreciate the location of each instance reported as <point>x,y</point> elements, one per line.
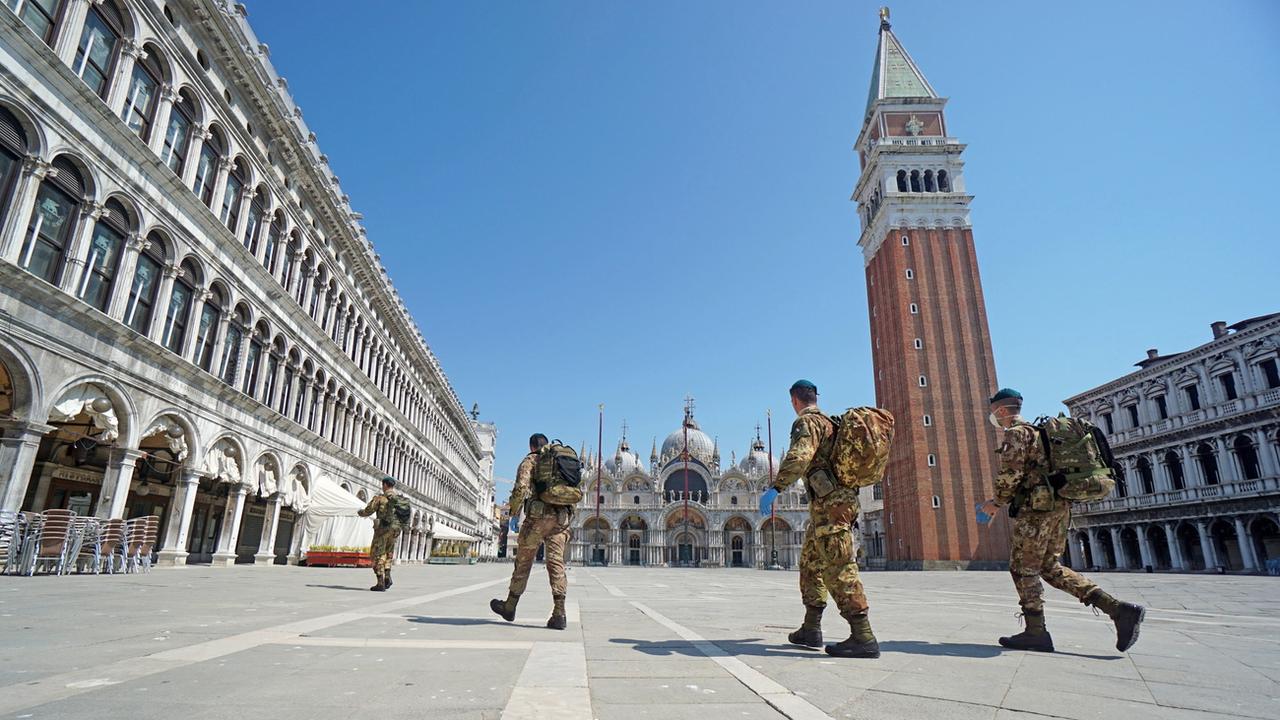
<point>773,515</point>
<point>599,466</point>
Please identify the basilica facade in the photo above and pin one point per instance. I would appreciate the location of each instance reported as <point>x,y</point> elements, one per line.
<point>687,508</point>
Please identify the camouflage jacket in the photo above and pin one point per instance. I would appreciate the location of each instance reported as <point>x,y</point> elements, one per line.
<point>380,506</point>
<point>811,436</point>
<point>1021,458</point>
<point>522,489</point>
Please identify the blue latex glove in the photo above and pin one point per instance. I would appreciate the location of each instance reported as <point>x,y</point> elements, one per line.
<point>766,501</point>
<point>980,514</point>
<point>514,523</point>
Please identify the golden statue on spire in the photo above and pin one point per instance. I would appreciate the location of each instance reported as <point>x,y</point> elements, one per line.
<point>884,16</point>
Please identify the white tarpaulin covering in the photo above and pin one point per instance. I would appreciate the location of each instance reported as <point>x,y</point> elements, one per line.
<point>220,464</point>
<point>90,400</point>
<point>331,517</point>
<point>444,532</point>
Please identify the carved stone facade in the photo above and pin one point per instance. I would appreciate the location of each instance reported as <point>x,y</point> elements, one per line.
<point>1197,434</point>
<point>193,322</point>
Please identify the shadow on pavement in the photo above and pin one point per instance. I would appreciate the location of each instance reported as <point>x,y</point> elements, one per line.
<point>456,621</point>
<point>339,587</point>
<point>919,647</point>
<point>727,648</point>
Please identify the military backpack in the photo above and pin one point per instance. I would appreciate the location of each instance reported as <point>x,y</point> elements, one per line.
<point>1078,460</point>
<point>557,475</point>
<point>398,514</point>
<point>860,445</point>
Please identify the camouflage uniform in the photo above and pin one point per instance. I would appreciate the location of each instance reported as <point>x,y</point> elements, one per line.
<point>385,532</point>
<point>826,561</point>
<point>1038,535</point>
<point>543,523</point>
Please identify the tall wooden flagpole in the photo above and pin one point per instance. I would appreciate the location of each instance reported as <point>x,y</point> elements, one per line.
<point>773,514</point>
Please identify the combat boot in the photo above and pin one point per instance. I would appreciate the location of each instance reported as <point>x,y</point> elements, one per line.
<point>810,633</point>
<point>558,620</point>
<point>505,609</point>
<point>1127,617</point>
<point>381,585</point>
<point>1034,637</point>
<point>861,642</point>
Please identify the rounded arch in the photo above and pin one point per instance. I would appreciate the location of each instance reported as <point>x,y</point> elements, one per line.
<point>24,384</point>
<point>158,59</point>
<point>193,270</point>
<point>233,441</point>
<point>85,177</point>
<point>126,413</point>
<point>771,522</point>
<point>32,132</point>
<point>738,523</point>
<point>162,244</point>
<point>189,102</point>
<point>167,417</point>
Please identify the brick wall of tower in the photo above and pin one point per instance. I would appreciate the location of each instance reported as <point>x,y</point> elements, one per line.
<point>957,361</point>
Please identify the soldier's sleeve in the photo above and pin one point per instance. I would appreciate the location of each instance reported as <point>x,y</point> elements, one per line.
<point>804,444</point>
<point>1016,458</point>
<point>371,508</point>
<point>523,486</point>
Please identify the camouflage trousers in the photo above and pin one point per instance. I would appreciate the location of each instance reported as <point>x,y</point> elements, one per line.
<point>826,561</point>
<point>1038,540</point>
<point>553,530</point>
<point>383,549</point>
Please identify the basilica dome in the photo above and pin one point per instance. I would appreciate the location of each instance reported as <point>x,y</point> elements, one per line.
<point>624,461</point>
<point>757,462</point>
<point>701,447</point>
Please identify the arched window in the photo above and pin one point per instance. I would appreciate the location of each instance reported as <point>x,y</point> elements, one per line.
<point>207,170</point>
<point>253,360</point>
<point>179,313</point>
<point>177,138</point>
<point>146,283</point>
<point>1122,486</point>
<point>53,222</point>
<point>99,48</point>
<point>1146,477</point>
<point>1208,464</point>
<point>635,499</point>
<point>42,16</point>
<point>13,147</point>
<point>257,218</point>
<point>229,365</point>
<point>1173,463</point>
<point>944,183</point>
<point>143,97</point>
<point>105,247</point>
<point>270,256</point>
<point>230,213</point>
<point>1247,454</point>
<point>902,181</point>
<point>915,181</point>
<point>928,182</point>
<point>207,330</point>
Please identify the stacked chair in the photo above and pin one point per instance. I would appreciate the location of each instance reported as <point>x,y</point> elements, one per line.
<point>59,542</point>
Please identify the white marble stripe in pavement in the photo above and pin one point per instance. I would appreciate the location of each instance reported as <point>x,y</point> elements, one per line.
<point>552,685</point>
<point>406,644</point>
<point>769,690</point>
<point>21,696</point>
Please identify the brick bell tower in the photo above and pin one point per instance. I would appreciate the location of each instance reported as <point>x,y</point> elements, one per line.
<point>931,347</point>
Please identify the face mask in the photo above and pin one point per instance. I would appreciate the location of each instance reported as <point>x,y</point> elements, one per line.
<point>991,417</point>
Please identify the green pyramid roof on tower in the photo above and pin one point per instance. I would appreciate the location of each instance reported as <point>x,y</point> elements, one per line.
<point>894,74</point>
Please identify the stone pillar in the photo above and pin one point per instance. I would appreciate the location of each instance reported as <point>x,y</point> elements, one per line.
<point>130,52</point>
<point>70,30</point>
<point>240,231</point>
<point>1144,547</point>
<point>164,109</point>
<point>1122,555</point>
<point>1175,548</point>
<point>1266,453</point>
<point>17,461</point>
<point>220,175</point>
<point>1247,556</point>
<point>117,305</point>
<point>299,540</point>
<point>75,258</point>
<point>1206,547</point>
<point>229,536</point>
<point>266,554</point>
<point>1075,552</point>
<point>1095,549</point>
<point>115,484</point>
<point>178,525</point>
<point>14,229</point>
<point>1227,471</point>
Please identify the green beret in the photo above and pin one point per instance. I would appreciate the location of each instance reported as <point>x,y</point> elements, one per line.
<point>388,480</point>
<point>1006,394</point>
<point>803,385</point>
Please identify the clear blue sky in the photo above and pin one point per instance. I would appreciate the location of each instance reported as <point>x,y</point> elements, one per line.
<point>588,202</point>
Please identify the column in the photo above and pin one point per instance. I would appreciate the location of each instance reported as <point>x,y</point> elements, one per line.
<point>1226,461</point>
<point>1122,556</point>
<point>242,219</point>
<point>75,258</point>
<point>1175,549</point>
<point>1206,547</point>
<point>266,554</point>
<point>178,524</point>
<point>123,282</point>
<point>130,52</point>
<point>19,218</point>
<point>1192,475</point>
<point>219,342</point>
<point>221,172</point>
<point>160,313</point>
<point>70,29</point>
<point>17,461</point>
<point>1073,551</point>
<point>1144,547</point>
<point>1247,555</point>
<point>164,109</point>
<point>1266,454</point>
<point>229,536</point>
<point>115,484</point>
<point>1095,549</point>
<point>300,540</point>
<point>199,298</point>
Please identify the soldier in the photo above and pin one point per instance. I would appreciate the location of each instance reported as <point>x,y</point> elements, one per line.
<point>545,523</point>
<point>386,531</point>
<point>1040,521</point>
<point>826,560</point>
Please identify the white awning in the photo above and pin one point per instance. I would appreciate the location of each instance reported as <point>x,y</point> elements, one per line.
<point>444,532</point>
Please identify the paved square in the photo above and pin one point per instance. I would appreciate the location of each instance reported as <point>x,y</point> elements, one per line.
<point>642,643</point>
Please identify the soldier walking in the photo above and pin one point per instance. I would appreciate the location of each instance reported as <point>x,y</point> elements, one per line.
<point>386,531</point>
<point>546,523</point>
<point>1040,522</point>
<point>827,562</point>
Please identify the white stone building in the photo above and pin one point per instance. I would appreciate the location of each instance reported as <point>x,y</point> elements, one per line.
<point>1197,434</point>
<point>486,500</point>
<point>193,323</point>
